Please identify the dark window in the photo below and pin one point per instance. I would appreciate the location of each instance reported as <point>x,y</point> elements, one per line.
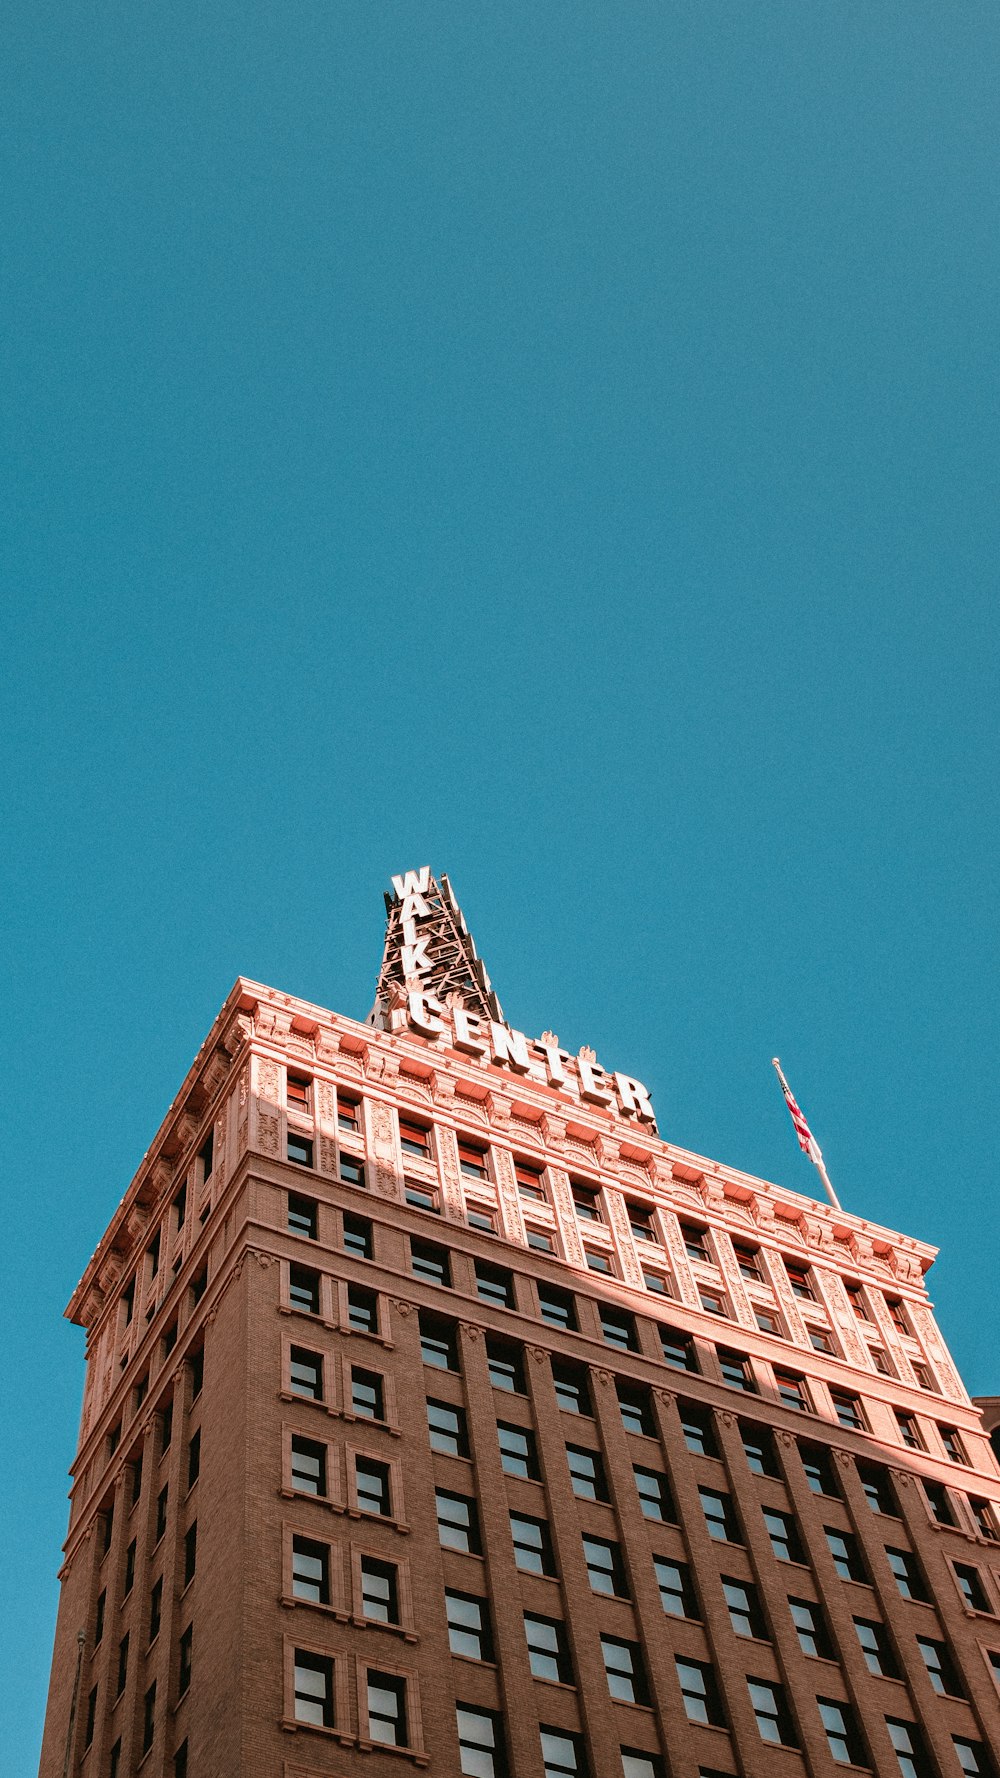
<point>876,1648</point>
<point>655,1498</point>
<point>624,1667</point>
<point>506,1366</point>
<point>480,1742</point>
<point>855,1297</point>
<point>678,1349</point>
<point>196,1367</point>
<point>438,1344</point>
<point>696,1242</point>
<point>136,1469</point>
<point>908,1575</point>
<point>153,1255</point>
<point>798,1278</point>
<point>698,1430</point>
<point>427,1260</point>
<point>298,1089</point>
<point>114,1439</point>
<point>194,1458</point>
<point>122,1664</point>
<point>532,1544</point>
<point>737,1371</point>
<point>720,1516</point>
<point>586,1473</point>
<point>940,1666</point>
<point>585,1201</point>
<point>702,1702</point>
<point>771,1711</point>
<point>149,1717</point>
<point>485,1220</point>
<point>371,1480</point>
<point>379,1591</point>
<point>517,1451</point>
<point>529,1181</point>
<point>306,1373</point>
<point>848,1410</point>
<point>973,1758</point>
<point>184,1668</point>
<point>352,1171</point>
<point>745,1613</point>
<point>911,1753</point>
<point>128,1298</point>
<point>313,1689</point>
<point>846,1553</point>
<point>994,1660</point>
<point>88,1733</point>
<point>129,1578</point>
<point>640,1218</point>
<point>115,1757</point>
<point>302,1216</point>
<point>759,1448</point>
<point>161,1512</point>
<point>199,1285</point>
<point>896,1314</point>
<point>952,1444</point>
<point>548,1651</point>
<point>939,1503</point>
<point>562,1755</point>
<point>303,1289</point>
<point>420,1196</point>
<point>472,1159</point>
<point>102,1600</point>
<point>414,1138</point>
<point>877,1489</point>
<point>792,1391</point>
<point>362,1309</point>
<point>494,1285</point>
<point>357,1236</point>
<point>367,1398</point>
<point>810,1625</point>
<point>969,1585</point>
<point>166,1426</point>
<point>310,1570</point>
<point>880,1361</point>
<point>469,1626</point>
<point>169,1338</point>
<point>677,1594</point>
<point>190,1552</point>
<point>387,1709</point>
<point>618,1328</point>
<point>458,1524</point>
<point>749,1261</point>
<point>447,1428</point>
<point>572,1388</point>
<point>308,1466</point>
<point>819,1470</point>
<point>348,1111</point>
<point>557,1307</point>
<point>299,1149</point>
<point>909,1431</point>
<point>605,1567</point>
<point>983,1513</point>
<point>842,1732</point>
<point>637,1412</point>
<point>784,1535</point>
<point>180,1762</point>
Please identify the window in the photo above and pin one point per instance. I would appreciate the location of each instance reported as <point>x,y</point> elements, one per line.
<point>420,1196</point>
<point>641,1765</point>
<point>792,1391</point>
<point>973,1758</point>
<point>303,1289</point>
<point>155,1608</point>
<point>677,1349</point>
<point>879,1360</point>
<point>798,1278</point>
<point>299,1149</point>
<point>969,1585</point>
<point>128,1299</point>
<point>114,1439</point>
<point>605,1567</point>
<point>846,1555</point>
<point>810,1626</point>
<point>745,1613</point>
<point>153,1255</point>
<point>122,1664</point>
<point>655,1497</point>
<point>848,1410</point>
<point>876,1648</point>
<point>532,1544</point>
<point>557,1307</point>
<point>306,1373</point>
<point>348,1111</point>
<point>362,1309</point>
<point>102,1600</point>
<point>184,1671</point>
<point>357,1236</point>
<point>720,1516</point>
<point>562,1754</point>
<point>572,1388</point>
<point>379,1591</point>
<point>539,1239</point>
<point>819,1470</point>
<point>586,1473</point>
<point>655,1281</point>
<point>308,1466</point>
<point>310,1571</point>
<point>298,1090</point>
<point>313,1689</point>
<point>548,1652</point>
<point>698,1430</point>
<point>696,1243</point>
<point>599,1261</point>
<point>784,1535</point>
<point>477,1218</point>
<point>367,1396</point>
<point>677,1594</point>
<point>352,1171</point>
<point>585,1201</point>
<point>438,1345</point>
<point>128,1581</point>
<point>199,1285</point>
<point>371,1481</point>
<point>180,1762</point>
<point>749,1261</point>
<point>506,1366</point>
<point>767,1321</point>
<point>994,1660</point>
<point>518,1455</point>
<point>194,1458</point>
<point>820,1340</point>
<point>624,1668</point>
<point>446,1425</point>
<point>494,1285</point>
<point>855,1297</point>
<point>618,1328</point>
<point>842,1732</point>
<point>136,1489</point>
<point>166,1427</point>
<point>161,1517</point>
<point>737,1371</point>
<point>910,1750</point>
<point>469,1626</point>
<point>700,1692</point>
<point>939,1503</point>
<point>771,1711</point>
<point>896,1314</point>
<point>480,1743</point>
<point>149,1717</point>
<point>983,1514</point>
<point>877,1489</point>
<point>712,1301</point>
<point>458,1525</point>
<point>108,1522</point>
<point>940,1667</point>
<point>114,1761</point>
<point>196,1367</point>
<point>909,1432</point>
<point>387,1709</point>
<point>640,1218</point>
<point>414,1139</point>
<point>190,1551</point>
<point>952,1444</point>
<point>529,1182</point>
<point>170,1338</point>
<point>472,1159</point>
<point>431,1262</point>
<point>759,1448</point>
<point>637,1414</point>
<point>907,1572</point>
<point>88,1733</point>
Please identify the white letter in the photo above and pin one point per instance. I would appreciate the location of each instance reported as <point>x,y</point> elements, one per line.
<point>421,1010</point>
<point>553,1065</point>
<point>414,907</point>
<point>413,882</point>
<point>467,1024</point>
<point>415,958</point>
<point>634,1097</point>
<point>510,1047</point>
<point>589,1085</point>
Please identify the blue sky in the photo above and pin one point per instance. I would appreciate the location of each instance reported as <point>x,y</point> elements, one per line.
<point>558,444</point>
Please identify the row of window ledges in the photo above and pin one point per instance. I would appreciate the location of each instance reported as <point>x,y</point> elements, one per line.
<point>503,1288</point>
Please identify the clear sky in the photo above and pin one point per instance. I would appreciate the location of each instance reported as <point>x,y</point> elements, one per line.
<point>557,443</point>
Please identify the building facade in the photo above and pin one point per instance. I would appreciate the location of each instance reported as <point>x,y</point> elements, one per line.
<point>440,1414</point>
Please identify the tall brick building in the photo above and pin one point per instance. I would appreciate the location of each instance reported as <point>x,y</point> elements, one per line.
<point>440,1414</point>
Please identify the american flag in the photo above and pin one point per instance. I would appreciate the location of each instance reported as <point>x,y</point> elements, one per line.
<point>807,1141</point>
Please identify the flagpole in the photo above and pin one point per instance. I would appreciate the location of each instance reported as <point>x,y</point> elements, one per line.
<point>807,1141</point>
